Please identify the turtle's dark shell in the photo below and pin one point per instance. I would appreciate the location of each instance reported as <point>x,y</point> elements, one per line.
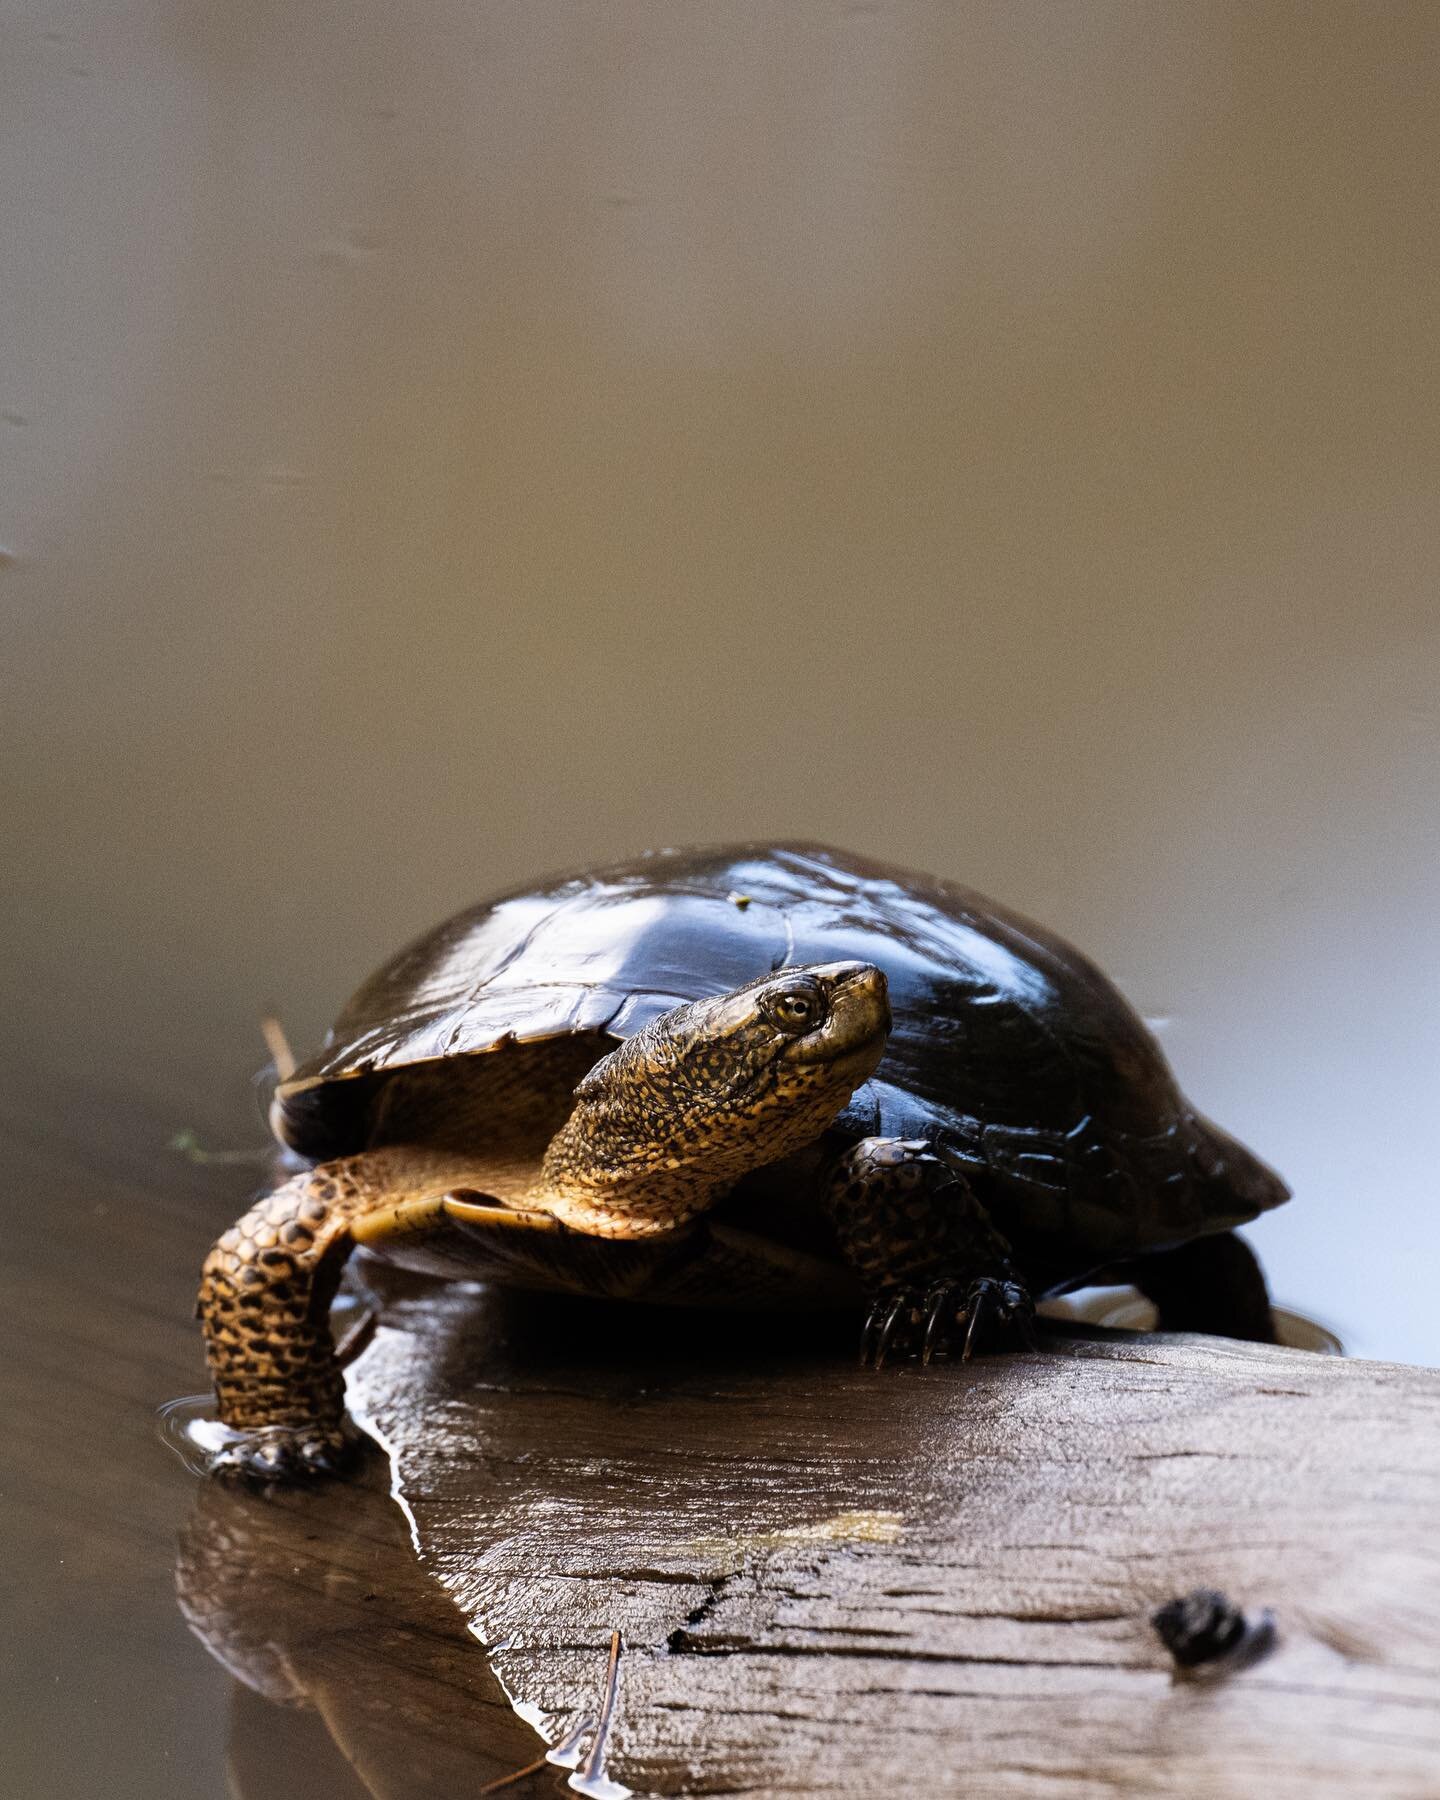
<point>1006,1040</point>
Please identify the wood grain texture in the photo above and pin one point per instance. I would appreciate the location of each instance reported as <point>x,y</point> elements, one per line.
<point>832,1582</point>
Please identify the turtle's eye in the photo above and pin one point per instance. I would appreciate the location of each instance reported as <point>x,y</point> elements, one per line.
<point>796,1009</point>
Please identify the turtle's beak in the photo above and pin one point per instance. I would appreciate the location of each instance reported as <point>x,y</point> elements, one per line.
<point>858,1022</point>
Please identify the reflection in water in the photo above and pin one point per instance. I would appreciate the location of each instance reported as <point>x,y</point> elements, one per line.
<point>315,1603</point>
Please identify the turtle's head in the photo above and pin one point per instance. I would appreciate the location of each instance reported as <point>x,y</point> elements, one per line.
<point>800,1036</point>
<point>710,1091</point>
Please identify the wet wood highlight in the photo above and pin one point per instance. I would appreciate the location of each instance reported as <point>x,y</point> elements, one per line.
<point>833,1582</point>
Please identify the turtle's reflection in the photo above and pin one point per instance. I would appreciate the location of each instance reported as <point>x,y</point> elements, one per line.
<point>355,1674</point>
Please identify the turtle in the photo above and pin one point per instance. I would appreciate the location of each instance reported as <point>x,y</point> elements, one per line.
<point>762,1075</point>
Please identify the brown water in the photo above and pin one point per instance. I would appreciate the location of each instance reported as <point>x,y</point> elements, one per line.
<point>443,447</point>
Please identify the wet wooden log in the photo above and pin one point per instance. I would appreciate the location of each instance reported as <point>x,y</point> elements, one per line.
<point>833,1582</point>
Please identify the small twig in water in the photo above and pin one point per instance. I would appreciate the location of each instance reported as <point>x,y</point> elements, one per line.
<point>504,1781</point>
<point>562,1755</point>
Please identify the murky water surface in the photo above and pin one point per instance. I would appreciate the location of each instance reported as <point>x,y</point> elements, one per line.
<point>433,450</point>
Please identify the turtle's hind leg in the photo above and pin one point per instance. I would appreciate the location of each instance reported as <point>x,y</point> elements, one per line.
<point>935,1266</point>
<point>264,1304</point>
<point>1212,1284</point>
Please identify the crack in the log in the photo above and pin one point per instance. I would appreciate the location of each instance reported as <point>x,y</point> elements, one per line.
<point>665,1577</point>
<point>1019,1618</point>
<point>849,1630</point>
<point>680,1641</point>
<point>685,1640</point>
<point>803,1715</point>
<point>1117,1781</point>
<point>1375,1697</point>
<point>1176,1455</point>
<point>690,1646</point>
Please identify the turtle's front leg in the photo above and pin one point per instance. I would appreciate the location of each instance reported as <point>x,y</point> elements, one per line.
<point>264,1303</point>
<point>925,1248</point>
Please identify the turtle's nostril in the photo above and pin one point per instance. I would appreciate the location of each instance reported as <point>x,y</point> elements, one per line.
<point>864,976</point>
<point>872,983</point>
<point>867,995</point>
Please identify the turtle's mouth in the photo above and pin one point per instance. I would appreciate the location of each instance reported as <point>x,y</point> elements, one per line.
<point>855,1066</point>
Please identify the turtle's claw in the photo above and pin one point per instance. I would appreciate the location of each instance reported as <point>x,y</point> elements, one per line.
<point>895,1320</point>
<point>940,1316</point>
<point>868,1334</point>
<point>881,1329</point>
<point>887,1328</point>
<point>990,1302</point>
<point>285,1453</point>
<point>924,1323</point>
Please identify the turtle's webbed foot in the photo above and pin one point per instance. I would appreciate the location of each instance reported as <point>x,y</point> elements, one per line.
<point>927,1322</point>
<point>285,1453</point>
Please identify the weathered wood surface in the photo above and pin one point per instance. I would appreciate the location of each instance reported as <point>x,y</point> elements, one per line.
<point>836,1583</point>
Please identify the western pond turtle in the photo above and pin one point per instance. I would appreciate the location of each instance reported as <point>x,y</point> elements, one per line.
<point>747,1076</point>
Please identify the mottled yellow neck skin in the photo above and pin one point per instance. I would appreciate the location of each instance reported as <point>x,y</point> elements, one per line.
<point>670,1121</point>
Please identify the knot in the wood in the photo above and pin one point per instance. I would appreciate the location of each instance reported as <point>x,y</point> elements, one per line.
<point>1203,1627</point>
